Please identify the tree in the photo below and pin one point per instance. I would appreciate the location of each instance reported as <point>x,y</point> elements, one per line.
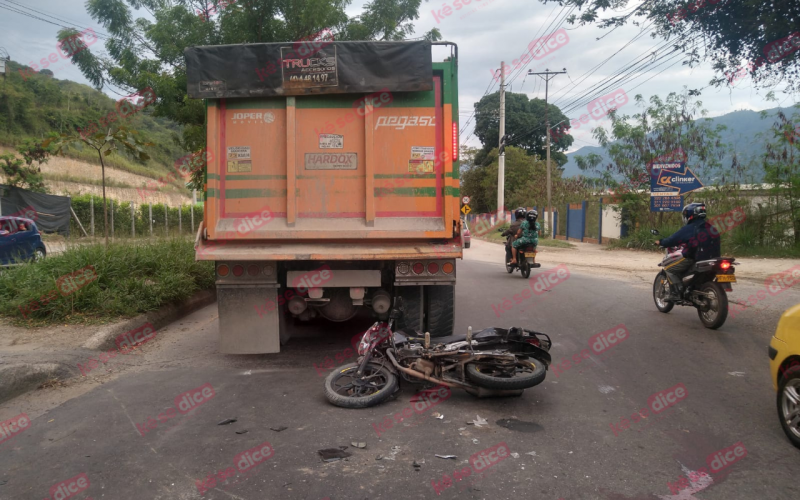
<point>525,124</point>
<point>665,131</point>
<point>782,167</point>
<point>524,183</point>
<point>104,144</point>
<point>730,32</point>
<point>20,172</point>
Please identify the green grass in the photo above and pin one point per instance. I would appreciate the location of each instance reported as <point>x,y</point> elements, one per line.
<point>494,237</point>
<point>132,278</point>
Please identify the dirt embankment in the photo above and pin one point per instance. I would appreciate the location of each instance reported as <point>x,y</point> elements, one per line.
<point>79,170</point>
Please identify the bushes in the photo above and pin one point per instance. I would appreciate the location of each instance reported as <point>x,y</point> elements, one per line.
<point>132,278</point>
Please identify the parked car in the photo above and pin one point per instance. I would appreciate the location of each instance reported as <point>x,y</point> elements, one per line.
<point>784,355</point>
<point>20,241</point>
<point>467,235</point>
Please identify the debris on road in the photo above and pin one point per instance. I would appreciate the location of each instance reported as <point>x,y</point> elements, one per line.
<point>242,432</point>
<point>531,453</point>
<point>227,421</point>
<point>333,454</point>
<point>447,456</point>
<point>278,429</point>
<point>416,466</point>
<point>437,415</point>
<point>358,444</point>
<point>514,455</point>
<point>395,451</point>
<point>514,424</point>
<point>478,421</point>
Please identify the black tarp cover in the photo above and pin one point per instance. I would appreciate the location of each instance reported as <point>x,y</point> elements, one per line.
<point>319,67</point>
<point>50,212</point>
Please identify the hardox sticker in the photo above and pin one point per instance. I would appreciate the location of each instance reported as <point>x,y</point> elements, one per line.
<point>331,161</point>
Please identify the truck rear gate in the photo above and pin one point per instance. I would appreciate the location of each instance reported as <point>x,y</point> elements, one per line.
<point>346,157</point>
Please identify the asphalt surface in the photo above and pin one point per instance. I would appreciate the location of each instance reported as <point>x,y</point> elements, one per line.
<point>565,437</point>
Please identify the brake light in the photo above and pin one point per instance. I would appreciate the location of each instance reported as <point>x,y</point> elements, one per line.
<point>725,265</point>
<point>223,270</point>
<point>238,270</point>
<point>534,341</point>
<point>433,268</point>
<point>455,141</point>
<point>419,268</point>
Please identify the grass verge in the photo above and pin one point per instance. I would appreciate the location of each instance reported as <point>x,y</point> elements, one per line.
<point>131,278</point>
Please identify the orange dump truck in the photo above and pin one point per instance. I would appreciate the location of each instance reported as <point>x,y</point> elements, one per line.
<point>332,184</point>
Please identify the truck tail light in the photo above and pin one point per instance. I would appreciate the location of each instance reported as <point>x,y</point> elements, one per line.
<point>455,141</point>
<point>447,268</point>
<point>253,270</point>
<point>419,268</point>
<point>433,268</point>
<point>238,270</point>
<point>223,270</point>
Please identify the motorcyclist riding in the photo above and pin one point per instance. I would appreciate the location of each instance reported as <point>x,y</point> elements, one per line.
<point>528,234</point>
<point>699,241</point>
<point>519,217</point>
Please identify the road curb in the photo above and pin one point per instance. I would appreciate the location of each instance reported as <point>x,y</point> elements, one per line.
<point>105,338</point>
<point>21,378</point>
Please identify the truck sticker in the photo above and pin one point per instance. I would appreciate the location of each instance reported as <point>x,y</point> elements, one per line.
<point>420,166</point>
<point>331,141</point>
<point>267,117</point>
<point>316,70</point>
<point>331,161</point>
<point>423,153</point>
<point>401,122</point>
<point>239,159</point>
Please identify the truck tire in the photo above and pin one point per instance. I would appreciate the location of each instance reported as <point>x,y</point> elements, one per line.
<point>440,309</point>
<point>412,308</point>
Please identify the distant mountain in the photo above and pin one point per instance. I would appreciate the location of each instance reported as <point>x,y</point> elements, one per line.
<point>741,136</point>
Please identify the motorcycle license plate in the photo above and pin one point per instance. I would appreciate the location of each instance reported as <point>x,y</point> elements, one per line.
<point>726,278</point>
<point>530,254</point>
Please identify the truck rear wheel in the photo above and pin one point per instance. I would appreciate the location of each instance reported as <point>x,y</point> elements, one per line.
<point>412,308</point>
<point>440,309</point>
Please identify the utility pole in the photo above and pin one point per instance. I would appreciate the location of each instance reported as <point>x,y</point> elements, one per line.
<point>548,75</point>
<point>501,173</point>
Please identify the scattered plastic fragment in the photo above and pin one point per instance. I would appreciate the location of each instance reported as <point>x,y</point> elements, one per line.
<point>479,421</point>
<point>242,432</point>
<point>227,421</point>
<point>416,466</point>
<point>531,453</point>
<point>515,455</point>
<point>332,454</point>
<point>437,415</point>
<point>278,429</point>
<point>462,428</point>
<point>359,444</point>
<point>475,441</point>
<point>447,456</point>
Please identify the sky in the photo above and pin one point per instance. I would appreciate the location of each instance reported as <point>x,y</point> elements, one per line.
<point>487,32</point>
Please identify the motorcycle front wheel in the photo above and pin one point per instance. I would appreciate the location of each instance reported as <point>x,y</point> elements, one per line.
<point>343,388</point>
<point>525,373</point>
<point>717,312</point>
<point>660,289</point>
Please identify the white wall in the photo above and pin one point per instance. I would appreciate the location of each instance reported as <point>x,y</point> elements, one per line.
<point>611,225</point>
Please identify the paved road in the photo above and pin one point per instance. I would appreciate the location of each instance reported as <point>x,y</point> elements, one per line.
<point>566,436</point>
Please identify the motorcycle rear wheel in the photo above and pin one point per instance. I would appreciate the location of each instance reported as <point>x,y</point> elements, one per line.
<point>662,304</point>
<point>343,389</point>
<point>528,372</point>
<point>718,311</point>
<point>524,267</point>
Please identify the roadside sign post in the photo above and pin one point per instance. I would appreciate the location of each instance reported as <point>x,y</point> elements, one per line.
<point>466,210</point>
<point>668,183</point>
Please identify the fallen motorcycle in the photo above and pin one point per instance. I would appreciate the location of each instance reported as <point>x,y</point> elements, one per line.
<point>705,287</point>
<point>491,362</point>
<point>526,258</point>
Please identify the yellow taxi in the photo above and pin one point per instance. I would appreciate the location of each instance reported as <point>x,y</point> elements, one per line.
<point>784,355</point>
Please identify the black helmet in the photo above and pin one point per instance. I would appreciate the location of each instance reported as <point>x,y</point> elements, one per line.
<point>519,213</point>
<point>692,211</point>
<point>532,216</point>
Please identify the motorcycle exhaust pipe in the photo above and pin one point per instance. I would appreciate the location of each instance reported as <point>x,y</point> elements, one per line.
<point>421,375</point>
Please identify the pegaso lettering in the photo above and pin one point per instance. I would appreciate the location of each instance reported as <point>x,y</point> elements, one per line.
<point>401,122</point>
